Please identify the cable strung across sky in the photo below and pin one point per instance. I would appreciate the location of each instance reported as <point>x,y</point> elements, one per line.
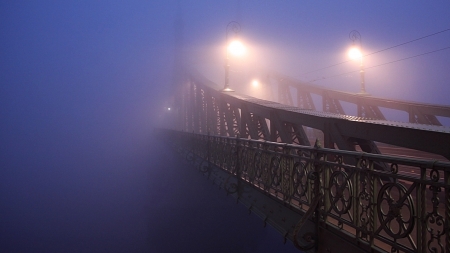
<point>379,51</point>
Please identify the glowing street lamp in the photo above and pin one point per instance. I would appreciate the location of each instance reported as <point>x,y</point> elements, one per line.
<point>356,54</point>
<point>236,48</point>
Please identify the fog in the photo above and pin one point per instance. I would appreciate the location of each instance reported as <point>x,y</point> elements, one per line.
<point>82,84</point>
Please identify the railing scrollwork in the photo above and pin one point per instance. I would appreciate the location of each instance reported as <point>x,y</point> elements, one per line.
<point>389,211</point>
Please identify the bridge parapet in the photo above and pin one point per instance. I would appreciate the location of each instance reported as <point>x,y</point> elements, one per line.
<point>351,203</point>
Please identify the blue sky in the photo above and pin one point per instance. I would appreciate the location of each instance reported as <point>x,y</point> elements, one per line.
<point>82,81</point>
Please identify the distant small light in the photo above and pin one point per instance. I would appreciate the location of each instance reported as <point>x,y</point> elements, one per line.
<point>168,109</point>
<point>255,83</point>
<point>355,54</point>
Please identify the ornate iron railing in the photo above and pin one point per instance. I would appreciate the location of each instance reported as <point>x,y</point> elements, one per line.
<point>393,211</point>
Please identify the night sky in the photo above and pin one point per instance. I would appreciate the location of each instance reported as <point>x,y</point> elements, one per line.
<point>82,84</point>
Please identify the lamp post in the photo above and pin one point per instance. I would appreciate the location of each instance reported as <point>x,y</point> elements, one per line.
<point>236,47</point>
<point>356,54</point>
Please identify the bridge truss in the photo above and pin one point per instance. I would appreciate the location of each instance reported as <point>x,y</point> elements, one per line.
<point>259,151</point>
<point>291,90</point>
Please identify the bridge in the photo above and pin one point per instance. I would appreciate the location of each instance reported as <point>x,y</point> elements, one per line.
<point>326,180</point>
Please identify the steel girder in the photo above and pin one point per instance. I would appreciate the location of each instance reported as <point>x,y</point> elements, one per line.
<point>234,120</point>
<point>330,104</point>
<point>284,94</point>
<point>367,106</point>
<point>261,119</point>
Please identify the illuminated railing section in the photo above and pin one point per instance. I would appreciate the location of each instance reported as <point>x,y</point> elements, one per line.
<point>384,210</point>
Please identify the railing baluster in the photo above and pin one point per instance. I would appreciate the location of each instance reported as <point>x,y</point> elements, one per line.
<point>373,190</point>
<point>326,190</point>
<point>421,211</point>
<point>447,209</point>
<point>355,197</point>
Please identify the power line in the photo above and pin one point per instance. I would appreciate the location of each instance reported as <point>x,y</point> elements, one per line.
<point>379,65</point>
<point>379,51</point>
<point>408,42</point>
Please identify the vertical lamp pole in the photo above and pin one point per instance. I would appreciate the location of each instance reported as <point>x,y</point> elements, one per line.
<point>354,37</point>
<point>235,27</point>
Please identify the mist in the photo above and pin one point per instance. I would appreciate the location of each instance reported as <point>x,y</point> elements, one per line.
<point>82,170</point>
<point>82,86</point>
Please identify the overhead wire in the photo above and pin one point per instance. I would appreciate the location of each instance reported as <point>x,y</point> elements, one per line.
<point>408,42</point>
<point>379,65</point>
<point>379,51</point>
